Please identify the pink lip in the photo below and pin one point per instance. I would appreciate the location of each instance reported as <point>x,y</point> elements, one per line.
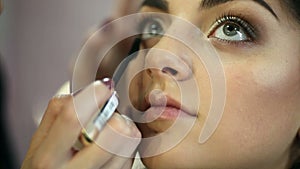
<point>164,113</point>
<point>168,110</point>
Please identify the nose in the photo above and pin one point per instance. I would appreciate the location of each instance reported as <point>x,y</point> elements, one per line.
<point>169,57</point>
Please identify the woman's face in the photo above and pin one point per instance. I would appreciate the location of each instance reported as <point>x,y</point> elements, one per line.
<point>258,44</point>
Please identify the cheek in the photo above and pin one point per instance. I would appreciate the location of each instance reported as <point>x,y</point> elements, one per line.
<point>276,85</point>
<point>261,106</point>
<point>279,75</point>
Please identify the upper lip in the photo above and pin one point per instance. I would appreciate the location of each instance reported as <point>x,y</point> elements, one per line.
<point>169,102</point>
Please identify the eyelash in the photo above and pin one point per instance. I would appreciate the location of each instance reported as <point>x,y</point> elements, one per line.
<point>236,19</point>
<point>144,19</point>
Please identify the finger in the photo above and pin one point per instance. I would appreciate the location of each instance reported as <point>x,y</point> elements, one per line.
<point>67,126</point>
<point>52,111</point>
<point>119,162</point>
<point>128,164</point>
<point>119,137</point>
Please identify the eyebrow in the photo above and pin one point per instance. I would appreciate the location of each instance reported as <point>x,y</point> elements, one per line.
<point>159,4</point>
<point>205,4</point>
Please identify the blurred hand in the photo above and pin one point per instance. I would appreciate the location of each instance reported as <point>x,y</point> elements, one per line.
<point>51,145</point>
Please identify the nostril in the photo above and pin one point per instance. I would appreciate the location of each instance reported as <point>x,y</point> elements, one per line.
<point>170,71</point>
<point>149,72</point>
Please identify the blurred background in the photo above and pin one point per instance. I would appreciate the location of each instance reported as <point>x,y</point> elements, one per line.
<point>38,41</point>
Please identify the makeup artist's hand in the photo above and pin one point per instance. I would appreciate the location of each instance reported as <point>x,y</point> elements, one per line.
<point>51,145</point>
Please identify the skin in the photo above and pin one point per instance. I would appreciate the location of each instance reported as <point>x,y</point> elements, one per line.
<point>51,145</point>
<point>261,117</point>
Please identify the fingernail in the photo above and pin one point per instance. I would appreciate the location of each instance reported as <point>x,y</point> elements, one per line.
<point>108,83</point>
<point>135,133</point>
<point>127,119</point>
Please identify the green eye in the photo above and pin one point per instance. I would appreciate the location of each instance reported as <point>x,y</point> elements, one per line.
<point>232,29</point>
<point>152,27</point>
<point>231,32</point>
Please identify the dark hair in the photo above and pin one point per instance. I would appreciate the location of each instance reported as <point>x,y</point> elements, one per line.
<point>294,7</point>
<point>295,154</point>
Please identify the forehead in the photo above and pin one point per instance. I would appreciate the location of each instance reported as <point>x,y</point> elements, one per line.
<point>164,4</point>
<point>186,8</point>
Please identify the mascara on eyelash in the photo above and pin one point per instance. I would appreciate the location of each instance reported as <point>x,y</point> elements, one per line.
<point>150,17</point>
<point>250,30</point>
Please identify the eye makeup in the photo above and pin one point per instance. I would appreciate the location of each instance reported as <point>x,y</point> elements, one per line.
<point>240,23</point>
<point>247,30</point>
<point>150,19</point>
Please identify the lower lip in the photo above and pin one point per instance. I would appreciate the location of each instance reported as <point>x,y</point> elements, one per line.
<point>163,113</point>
